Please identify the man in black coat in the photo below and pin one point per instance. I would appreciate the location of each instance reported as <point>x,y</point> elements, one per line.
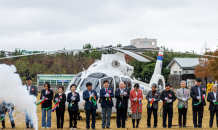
<point>122,96</point>
<point>198,94</point>
<point>213,99</point>
<point>90,96</point>
<point>32,89</point>
<point>168,97</point>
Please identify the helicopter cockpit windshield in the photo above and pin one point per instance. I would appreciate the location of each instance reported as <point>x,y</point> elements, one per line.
<point>94,81</point>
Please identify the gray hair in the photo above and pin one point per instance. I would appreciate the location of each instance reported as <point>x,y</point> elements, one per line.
<point>214,85</point>
<point>154,85</point>
<point>183,81</point>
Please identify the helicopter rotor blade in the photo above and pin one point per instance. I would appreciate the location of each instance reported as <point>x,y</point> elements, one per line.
<point>136,56</point>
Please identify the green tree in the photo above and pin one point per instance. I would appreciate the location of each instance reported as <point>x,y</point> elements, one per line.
<point>37,68</point>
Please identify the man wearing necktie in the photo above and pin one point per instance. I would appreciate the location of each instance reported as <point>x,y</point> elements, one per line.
<point>106,95</point>
<point>212,98</point>
<point>122,96</point>
<point>198,94</point>
<point>182,95</point>
<point>90,96</point>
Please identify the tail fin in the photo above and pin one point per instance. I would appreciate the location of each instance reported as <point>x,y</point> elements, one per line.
<point>158,65</point>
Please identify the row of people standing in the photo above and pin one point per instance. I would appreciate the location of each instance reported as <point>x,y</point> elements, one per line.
<point>123,95</point>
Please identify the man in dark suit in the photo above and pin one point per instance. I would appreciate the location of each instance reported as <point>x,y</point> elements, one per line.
<point>32,89</point>
<point>154,95</point>
<point>106,95</point>
<point>122,97</point>
<point>168,97</point>
<point>213,99</point>
<point>90,96</point>
<point>198,94</point>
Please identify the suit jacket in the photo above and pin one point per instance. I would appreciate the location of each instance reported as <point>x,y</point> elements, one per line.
<point>33,90</point>
<point>194,94</point>
<point>62,99</point>
<point>49,96</point>
<point>171,95</point>
<point>156,97</point>
<point>75,106</point>
<point>124,102</point>
<point>180,95</point>
<point>210,98</point>
<point>107,102</point>
<point>135,105</point>
<point>90,105</point>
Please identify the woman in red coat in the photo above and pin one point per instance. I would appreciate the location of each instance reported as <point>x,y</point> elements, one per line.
<point>136,97</point>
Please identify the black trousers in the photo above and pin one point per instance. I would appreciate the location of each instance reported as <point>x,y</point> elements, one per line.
<point>73,117</point>
<point>3,123</point>
<point>169,112</point>
<point>121,113</point>
<point>88,112</point>
<point>212,116</point>
<point>60,117</point>
<point>198,112</point>
<point>149,111</point>
<point>182,114</point>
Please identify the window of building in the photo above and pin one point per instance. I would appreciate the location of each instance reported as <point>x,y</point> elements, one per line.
<point>144,42</point>
<point>174,72</point>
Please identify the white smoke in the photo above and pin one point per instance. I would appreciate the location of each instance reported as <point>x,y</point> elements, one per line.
<point>12,91</point>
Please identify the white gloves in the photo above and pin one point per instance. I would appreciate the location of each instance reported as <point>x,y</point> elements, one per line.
<point>56,99</point>
<point>184,99</point>
<point>166,98</point>
<point>43,98</point>
<point>204,95</point>
<point>170,100</point>
<point>91,95</point>
<point>107,95</point>
<point>72,98</point>
<point>139,99</point>
<point>125,93</point>
<point>135,99</point>
<point>198,97</point>
<point>150,99</point>
<point>155,99</point>
<point>214,100</point>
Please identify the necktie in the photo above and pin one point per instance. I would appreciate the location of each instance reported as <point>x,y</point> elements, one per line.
<point>106,90</point>
<point>183,91</point>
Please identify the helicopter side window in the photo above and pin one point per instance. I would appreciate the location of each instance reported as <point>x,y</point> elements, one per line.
<point>129,84</point>
<point>94,82</point>
<point>124,80</point>
<point>110,80</point>
<point>97,88</point>
<point>117,81</point>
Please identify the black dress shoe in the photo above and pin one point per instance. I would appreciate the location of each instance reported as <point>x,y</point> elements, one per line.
<point>124,127</point>
<point>103,128</point>
<point>108,127</point>
<point>164,126</point>
<point>180,126</point>
<point>195,127</point>
<point>118,127</point>
<point>199,127</point>
<point>148,126</point>
<point>155,127</point>
<point>185,126</point>
<point>169,127</point>
<point>3,127</point>
<point>27,127</point>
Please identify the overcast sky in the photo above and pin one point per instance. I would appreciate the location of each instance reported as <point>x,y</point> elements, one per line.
<point>183,25</point>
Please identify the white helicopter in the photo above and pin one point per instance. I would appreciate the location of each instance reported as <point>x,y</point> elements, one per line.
<point>113,67</point>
